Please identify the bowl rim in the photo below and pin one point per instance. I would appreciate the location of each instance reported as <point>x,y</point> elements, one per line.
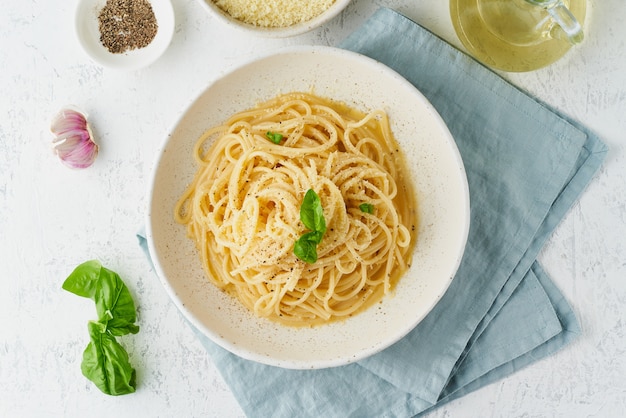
<point>282,32</point>
<point>299,364</point>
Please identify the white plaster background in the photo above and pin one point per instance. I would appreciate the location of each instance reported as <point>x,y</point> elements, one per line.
<point>53,218</point>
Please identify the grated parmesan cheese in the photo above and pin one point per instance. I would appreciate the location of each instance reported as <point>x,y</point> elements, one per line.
<point>274,13</point>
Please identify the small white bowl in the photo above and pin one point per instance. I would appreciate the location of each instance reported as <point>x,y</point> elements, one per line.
<point>278,32</point>
<point>88,33</point>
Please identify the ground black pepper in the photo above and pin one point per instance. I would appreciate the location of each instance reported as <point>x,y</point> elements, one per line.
<point>126,24</point>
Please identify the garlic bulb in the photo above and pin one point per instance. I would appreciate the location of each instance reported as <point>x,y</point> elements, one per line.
<point>73,141</point>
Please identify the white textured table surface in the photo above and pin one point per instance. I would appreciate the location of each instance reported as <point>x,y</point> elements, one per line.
<point>53,218</point>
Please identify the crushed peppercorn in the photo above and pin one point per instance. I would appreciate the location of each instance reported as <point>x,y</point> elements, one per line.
<point>126,25</point>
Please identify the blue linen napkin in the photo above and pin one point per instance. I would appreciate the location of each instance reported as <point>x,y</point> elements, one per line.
<point>526,166</point>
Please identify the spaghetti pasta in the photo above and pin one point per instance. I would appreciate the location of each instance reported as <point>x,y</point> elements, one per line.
<point>243,208</point>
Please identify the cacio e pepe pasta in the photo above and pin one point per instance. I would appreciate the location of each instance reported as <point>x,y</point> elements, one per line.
<point>246,208</point>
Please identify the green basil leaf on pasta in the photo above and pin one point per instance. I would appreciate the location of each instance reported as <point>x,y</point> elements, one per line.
<point>311,212</point>
<point>274,137</point>
<point>312,216</point>
<point>313,236</point>
<point>305,249</point>
<point>366,207</point>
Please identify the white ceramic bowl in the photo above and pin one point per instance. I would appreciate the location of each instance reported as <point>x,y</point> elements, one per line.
<point>86,27</point>
<point>441,190</point>
<point>283,32</point>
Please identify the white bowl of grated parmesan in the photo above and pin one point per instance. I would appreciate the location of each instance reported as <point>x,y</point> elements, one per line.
<point>275,18</point>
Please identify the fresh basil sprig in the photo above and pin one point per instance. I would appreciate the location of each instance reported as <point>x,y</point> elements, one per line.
<point>312,216</point>
<point>105,361</point>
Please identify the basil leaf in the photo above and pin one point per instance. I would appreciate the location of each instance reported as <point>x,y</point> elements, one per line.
<point>311,212</point>
<point>274,137</point>
<point>114,303</point>
<point>366,207</point>
<point>313,236</point>
<point>305,249</point>
<point>84,279</point>
<point>106,364</point>
<point>312,216</point>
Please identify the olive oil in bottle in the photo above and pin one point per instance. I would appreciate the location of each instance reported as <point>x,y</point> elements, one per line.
<point>512,35</point>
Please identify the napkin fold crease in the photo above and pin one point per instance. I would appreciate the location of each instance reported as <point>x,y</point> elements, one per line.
<point>526,166</point>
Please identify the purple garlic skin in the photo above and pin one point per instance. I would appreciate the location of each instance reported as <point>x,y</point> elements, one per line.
<point>73,140</point>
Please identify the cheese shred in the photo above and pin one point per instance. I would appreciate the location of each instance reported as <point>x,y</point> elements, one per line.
<point>274,13</point>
